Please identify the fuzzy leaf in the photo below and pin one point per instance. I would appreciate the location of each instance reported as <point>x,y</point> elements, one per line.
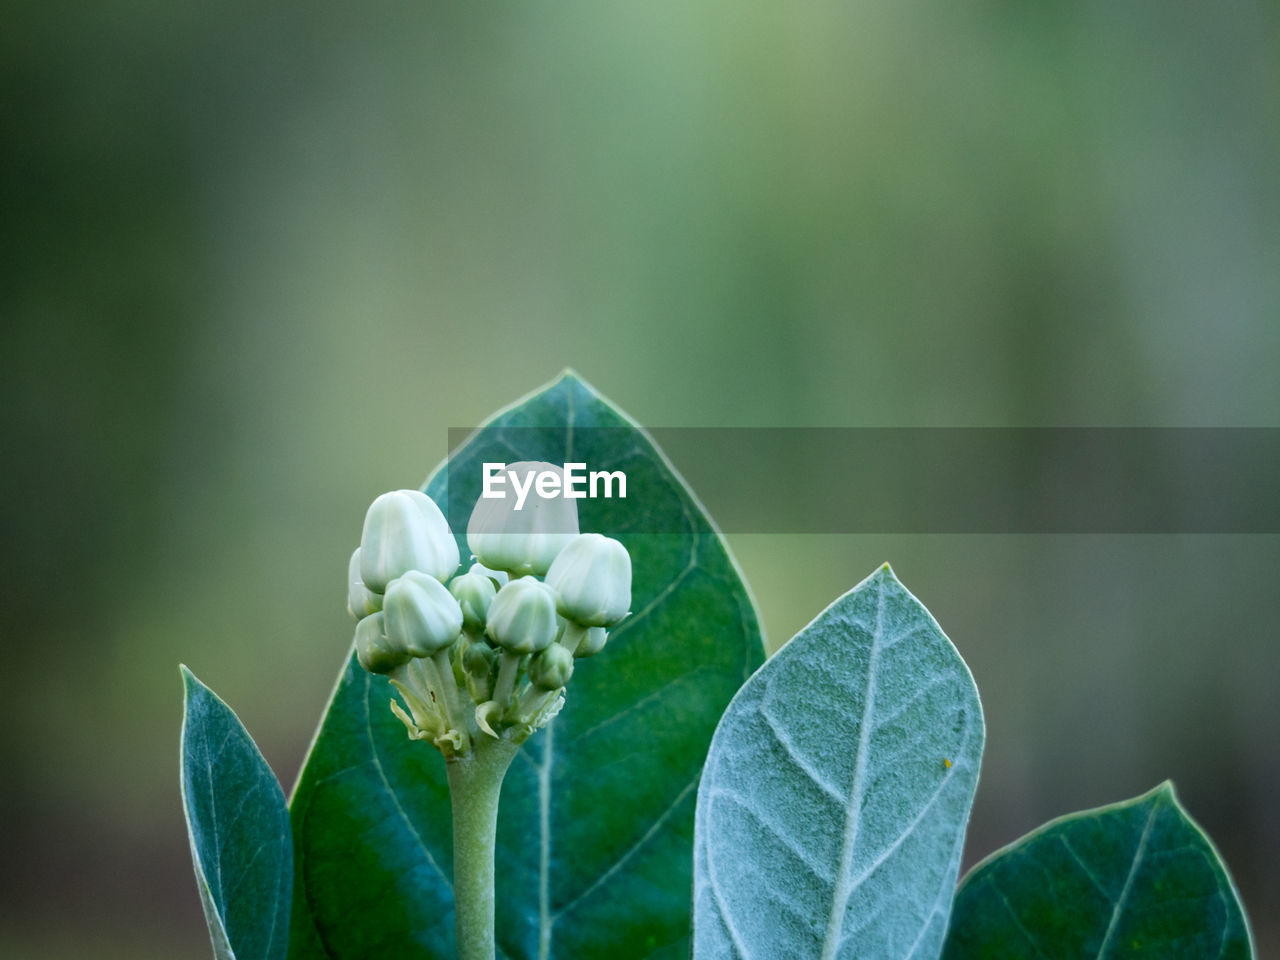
<point>832,811</point>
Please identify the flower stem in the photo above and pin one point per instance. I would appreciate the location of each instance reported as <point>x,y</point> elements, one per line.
<point>506,679</point>
<point>452,701</point>
<point>573,636</point>
<point>475,781</point>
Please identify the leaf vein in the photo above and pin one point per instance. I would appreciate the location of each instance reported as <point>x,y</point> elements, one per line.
<point>642,702</point>
<point>1017,921</point>
<point>1093,879</point>
<point>662,595</point>
<point>915,822</point>
<point>840,895</point>
<point>739,800</point>
<point>906,705</point>
<point>631,851</point>
<point>788,745</point>
<point>1118,909</point>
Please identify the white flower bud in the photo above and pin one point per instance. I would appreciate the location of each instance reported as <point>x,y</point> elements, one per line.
<point>592,577</point>
<point>421,615</point>
<point>361,601</point>
<point>474,593</point>
<point>522,617</point>
<point>404,530</point>
<point>526,540</point>
<point>592,643</point>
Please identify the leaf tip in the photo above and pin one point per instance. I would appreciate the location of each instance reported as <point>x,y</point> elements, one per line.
<point>571,378</point>
<point>885,572</point>
<point>1162,794</point>
<point>567,381</point>
<point>192,686</point>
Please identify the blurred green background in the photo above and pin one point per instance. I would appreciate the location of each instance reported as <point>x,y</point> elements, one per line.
<point>257,258</point>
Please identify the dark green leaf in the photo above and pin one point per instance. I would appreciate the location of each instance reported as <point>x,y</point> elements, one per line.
<point>832,811</point>
<point>239,831</point>
<point>596,823</point>
<point>1134,879</point>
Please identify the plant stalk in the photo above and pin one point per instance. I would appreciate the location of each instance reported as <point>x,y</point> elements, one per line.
<point>506,679</point>
<point>572,636</point>
<point>452,701</point>
<point>475,781</point>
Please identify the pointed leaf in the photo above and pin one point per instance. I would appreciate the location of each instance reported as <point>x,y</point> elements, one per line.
<point>596,818</point>
<point>832,811</point>
<point>238,826</point>
<point>1134,879</point>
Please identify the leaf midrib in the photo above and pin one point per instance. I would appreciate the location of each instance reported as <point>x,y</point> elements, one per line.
<point>853,816</point>
<point>1118,909</point>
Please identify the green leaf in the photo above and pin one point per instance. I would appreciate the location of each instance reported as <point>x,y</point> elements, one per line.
<point>1134,879</point>
<point>832,811</point>
<point>238,826</point>
<point>596,820</point>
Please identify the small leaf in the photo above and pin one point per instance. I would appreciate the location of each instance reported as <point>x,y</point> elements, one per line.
<point>596,819</point>
<point>1134,879</point>
<point>239,831</point>
<point>832,810</point>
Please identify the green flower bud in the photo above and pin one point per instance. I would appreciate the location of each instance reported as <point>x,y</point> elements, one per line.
<point>552,668</point>
<point>474,592</point>
<point>592,643</point>
<point>361,601</point>
<point>522,617</point>
<point>421,616</point>
<point>404,530</point>
<point>592,578</point>
<point>374,651</point>
<point>478,660</point>
<point>524,540</point>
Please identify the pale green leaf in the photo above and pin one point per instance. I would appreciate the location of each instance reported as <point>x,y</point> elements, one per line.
<point>832,811</point>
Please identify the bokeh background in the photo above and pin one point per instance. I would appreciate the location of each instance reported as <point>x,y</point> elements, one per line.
<point>257,258</point>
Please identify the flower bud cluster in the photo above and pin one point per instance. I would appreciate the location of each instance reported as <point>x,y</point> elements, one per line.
<point>488,652</point>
